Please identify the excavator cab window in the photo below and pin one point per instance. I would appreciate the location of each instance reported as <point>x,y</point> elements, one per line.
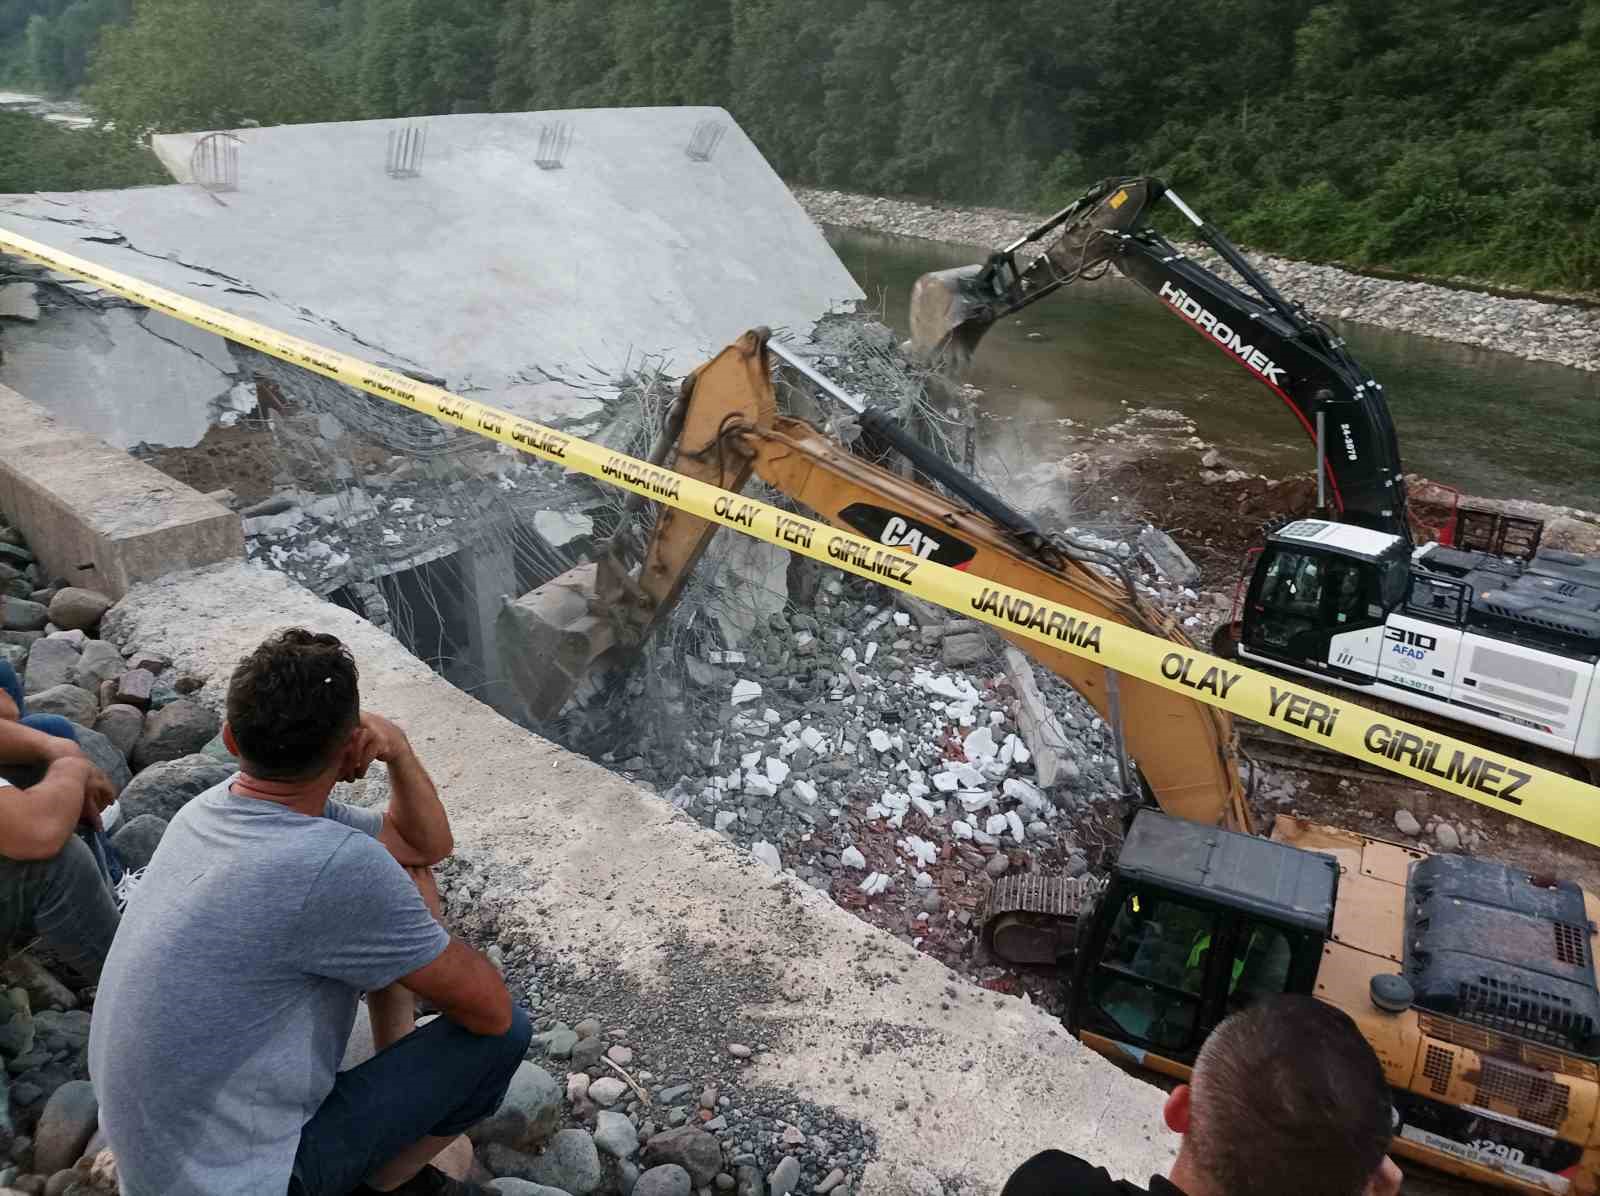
<point>1163,969</point>
<point>1306,597</point>
<point>1151,973</point>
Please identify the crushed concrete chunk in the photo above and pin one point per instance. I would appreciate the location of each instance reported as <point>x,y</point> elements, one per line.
<point>745,691</point>
<point>767,854</point>
<point>879,740</point>
<point>980,746</point>
<point>19,301</point>
<point>777,770</point>
<point>850,857</point>
<point>561,528</point>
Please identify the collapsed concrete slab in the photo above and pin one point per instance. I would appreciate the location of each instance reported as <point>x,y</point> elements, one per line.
<point>497,268</point>
<point>658,924</point>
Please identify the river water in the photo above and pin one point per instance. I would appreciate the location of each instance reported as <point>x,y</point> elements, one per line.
<point>1489,423</point>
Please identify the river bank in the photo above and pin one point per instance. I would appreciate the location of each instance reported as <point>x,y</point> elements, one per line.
<point>1532,329</point>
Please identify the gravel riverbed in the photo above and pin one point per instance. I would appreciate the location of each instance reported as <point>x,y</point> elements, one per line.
<point>1565,334</point>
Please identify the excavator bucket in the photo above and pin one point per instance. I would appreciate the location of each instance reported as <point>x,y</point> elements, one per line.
<point>947,318</point>
<point>550,638</point>
<point>554,638</point>
<point>952,309</point>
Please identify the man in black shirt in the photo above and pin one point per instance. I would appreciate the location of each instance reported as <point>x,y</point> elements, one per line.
<point>1286,1097</point>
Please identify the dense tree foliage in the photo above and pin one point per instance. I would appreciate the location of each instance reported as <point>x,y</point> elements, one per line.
<point>36,155</point>
<point>1446,136</point>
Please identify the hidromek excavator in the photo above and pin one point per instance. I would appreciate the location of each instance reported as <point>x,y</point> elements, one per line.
<point>1492,631</point>
<point>1474,982</point>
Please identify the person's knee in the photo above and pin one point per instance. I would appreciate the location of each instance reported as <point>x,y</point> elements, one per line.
<point>52,724</point>
<point>75,860</point>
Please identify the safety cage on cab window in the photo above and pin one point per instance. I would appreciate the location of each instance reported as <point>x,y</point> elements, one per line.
<point>1168,969</point>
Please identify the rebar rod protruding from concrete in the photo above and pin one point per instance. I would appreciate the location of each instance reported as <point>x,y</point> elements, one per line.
<point>407,146</point>
<point>214,162</point>
<point>703,142</point>
<point>554,142</point>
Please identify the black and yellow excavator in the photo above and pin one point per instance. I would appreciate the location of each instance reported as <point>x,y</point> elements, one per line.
<point>1473,981</point>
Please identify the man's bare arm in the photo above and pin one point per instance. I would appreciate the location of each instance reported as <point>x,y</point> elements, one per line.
<point>416,829</point>
<point>24,745</point>
<point>35,823</point>
<point>466,988</point>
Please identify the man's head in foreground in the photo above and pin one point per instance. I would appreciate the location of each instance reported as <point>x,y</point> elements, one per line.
<point>1287,1096</point>
<point>293,708</point>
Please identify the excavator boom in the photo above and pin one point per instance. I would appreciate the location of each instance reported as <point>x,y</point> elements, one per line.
<point>728,429</point>
<point>1299,359</point>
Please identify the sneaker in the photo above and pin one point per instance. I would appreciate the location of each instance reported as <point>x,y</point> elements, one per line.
<point>430,1181</point>
<point>124,888</point>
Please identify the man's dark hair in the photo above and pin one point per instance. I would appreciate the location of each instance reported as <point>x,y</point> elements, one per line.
<point>292,704</point>
<point>1288,1096</point>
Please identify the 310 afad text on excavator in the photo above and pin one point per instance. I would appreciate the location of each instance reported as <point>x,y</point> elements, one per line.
<point>1473,981</point>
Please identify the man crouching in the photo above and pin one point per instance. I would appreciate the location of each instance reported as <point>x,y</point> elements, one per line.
<point>231,987</point>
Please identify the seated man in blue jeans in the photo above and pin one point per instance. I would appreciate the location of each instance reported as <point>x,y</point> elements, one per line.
<point>50,882</point>
<point>267,910</point>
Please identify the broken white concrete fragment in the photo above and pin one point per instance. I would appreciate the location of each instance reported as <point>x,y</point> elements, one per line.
<point>777,770</point>
<point>924,807</point>
<point>745,691</point>
<point>725,657</point>
<point>788,748</point>
<point>946,782</point>
<point>974,801</point>
<point>944,686</point>
<point>767,854</point>
<point>1025,793</point>
<point>874,884</point>
<point>901,619</point>
<point>561,528</point>
<point>850,857</point>
<point>924,881</point>
<point>725,819</point>
<point>805,791</point>
<point>872,650</point>
<point>758,785</point>
<point>848,654</point>
<point>879,739</point>
<point>920,848</point>
<point>970,777</point>
<point>771,717</point>
<point>961,830</point>
<point>749,760</point>
<point>980,746</point>
<point>996,825</point>
<point>812,738</point>
<point>1015,823</point>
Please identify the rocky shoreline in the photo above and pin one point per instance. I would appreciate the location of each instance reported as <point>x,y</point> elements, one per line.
<point>1536,330</point>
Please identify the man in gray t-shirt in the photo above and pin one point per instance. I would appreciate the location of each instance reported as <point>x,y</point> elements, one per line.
<point>231,987</point>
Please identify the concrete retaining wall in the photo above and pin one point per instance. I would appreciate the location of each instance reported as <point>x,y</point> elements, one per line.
<point>95,516</point>
<point>644,917</point>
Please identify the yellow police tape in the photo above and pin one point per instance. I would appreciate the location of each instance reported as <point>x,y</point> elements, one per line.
<point>1500,782</point>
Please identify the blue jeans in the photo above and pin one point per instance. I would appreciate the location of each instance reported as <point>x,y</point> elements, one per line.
<point>436,1081</point>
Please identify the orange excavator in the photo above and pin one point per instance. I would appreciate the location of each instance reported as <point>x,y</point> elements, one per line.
<point>1473,981</point>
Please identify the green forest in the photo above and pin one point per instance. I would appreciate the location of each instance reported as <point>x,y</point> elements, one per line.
<point>1447,137</point>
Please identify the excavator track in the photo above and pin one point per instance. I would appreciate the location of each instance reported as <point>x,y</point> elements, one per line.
<point>1033,919</point>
